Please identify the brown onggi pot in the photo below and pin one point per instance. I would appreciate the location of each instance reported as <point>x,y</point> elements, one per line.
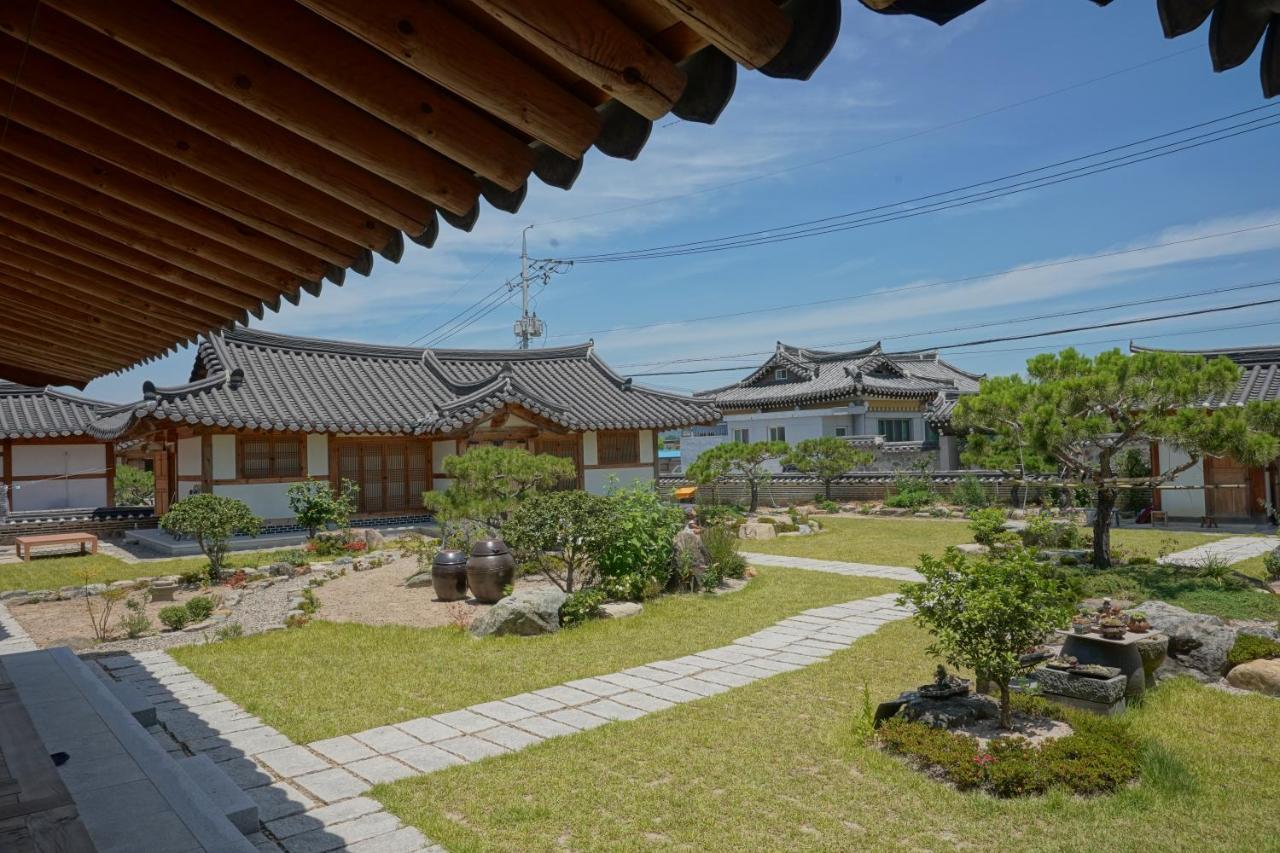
<point>490,570</point>
<point>449,575</point>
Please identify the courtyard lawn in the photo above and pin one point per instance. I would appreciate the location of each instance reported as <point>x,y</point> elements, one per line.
<point>56,572</point>
<point>774,766</point>
<point>328,679</point>
<point>1254,567</point>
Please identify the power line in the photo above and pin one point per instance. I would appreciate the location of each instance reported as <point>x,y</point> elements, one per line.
<point>878,145</point>
<point>1004,321</point>
<point>924,286</point>
<point>873,216</point>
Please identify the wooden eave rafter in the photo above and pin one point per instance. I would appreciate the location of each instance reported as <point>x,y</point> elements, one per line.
<point>170,167</point>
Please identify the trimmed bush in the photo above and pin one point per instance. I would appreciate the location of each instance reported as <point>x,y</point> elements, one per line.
<point>175,616</point>
<point>722,545</point>
<point>987,526</point>
<point>581,606</point>
<point>199,608</point>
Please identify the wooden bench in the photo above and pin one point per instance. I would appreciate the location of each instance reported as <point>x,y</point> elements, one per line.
<point>24,544</point>
<point>685,493</point>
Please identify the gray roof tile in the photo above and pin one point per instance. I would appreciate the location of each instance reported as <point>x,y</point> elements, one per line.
<point>1259,373</point>
<point>27,412</point>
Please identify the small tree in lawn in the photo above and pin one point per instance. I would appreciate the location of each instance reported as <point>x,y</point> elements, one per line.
<point>563,534</point>
<point>986,612</point>
<point>826,458</point>
<point>317,505</point>
<point>211,520</point>
<point>748,461</point>
<point>1082,412</point>
<point>489,482</point>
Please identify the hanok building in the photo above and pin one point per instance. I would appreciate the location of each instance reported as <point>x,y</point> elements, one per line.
<point>263,411</point>
<point>1236,493</point>
<point>898,405</point>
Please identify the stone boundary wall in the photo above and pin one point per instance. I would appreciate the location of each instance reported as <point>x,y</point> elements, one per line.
<point>102,525</point>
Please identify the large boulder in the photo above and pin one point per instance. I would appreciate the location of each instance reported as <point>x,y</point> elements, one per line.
<point>419,579</point>
<point>373,539</point>
<point>947,713</point>
<point>1196,640</point>
<point>526,613</point>
<point>757,530</point>
<point>1262,676</point>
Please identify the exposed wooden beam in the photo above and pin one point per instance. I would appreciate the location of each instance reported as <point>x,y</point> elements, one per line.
<point>102,188</point>
<point>136,249</point>
<point>130,336</point>
<point>437,44</point>
<point>17,370</point>
<point>181,98</point>
<point>592,42</point>
<point>53,343</point>
<point>368,78</point>
<point>39,326</point>
<point>163,33</point>
<point>753,32</point>
<point>110,108</point>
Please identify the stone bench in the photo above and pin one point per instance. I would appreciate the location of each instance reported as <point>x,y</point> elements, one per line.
<point>129,792</point>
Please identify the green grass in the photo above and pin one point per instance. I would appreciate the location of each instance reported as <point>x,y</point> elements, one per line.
<point>328,679</point>
<point>1153,543</point>
<point>774,766</point>
<point>56,572</point>
<point>1254,567</point>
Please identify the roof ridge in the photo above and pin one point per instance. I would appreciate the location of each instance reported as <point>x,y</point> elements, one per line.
<point>277,340</point>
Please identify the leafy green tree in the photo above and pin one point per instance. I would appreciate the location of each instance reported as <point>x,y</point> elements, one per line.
<point>637,558</point>
<point>134,487</point>
<point>563,534</point>
<point>317,505</point>
<point>489,482</point>
<point>985,612</point>
<point>1080,413</point>
<point>826,458</point>
<point>211,520</point>
<point>736,458</point>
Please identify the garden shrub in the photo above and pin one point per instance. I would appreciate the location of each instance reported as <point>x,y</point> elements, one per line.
<point>562,534</point>
<point>292,556</point>
<point>637,556</point>
<point>194,577</point>
<point>1043,531</point>
<point>722,546</point>
<point>581,606</point>
<point>710,515</point>
<point>175,616</point>
<point>211,520</point>
<point>1250,647</point>
<point>199,608</point>
<point>1100,755</point>
<point>229,631</point>
<point>828,506</point>
<point>912,491</point>
<point>987,526</point>
<point>970,493</point>
<point>342,543</point>
<point>1271,563</point>
<point>134,621</point>
<point>317,505</point>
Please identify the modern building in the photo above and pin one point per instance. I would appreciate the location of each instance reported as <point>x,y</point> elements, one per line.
<point>898,405</point>
<point>262,411</point>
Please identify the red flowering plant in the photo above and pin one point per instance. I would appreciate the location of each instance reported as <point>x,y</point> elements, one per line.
<point>238,579</point>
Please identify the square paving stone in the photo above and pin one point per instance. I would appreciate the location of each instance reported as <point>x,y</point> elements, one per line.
<point>699,685</point>
<point>728,679</point>
<point>566,695</point>
<point>678,667</point>
<point>595,686</point>
<point>403,840</point>
<point>775,665</point>
<point>503,712</point>
<point>339,835</point>
<point>465,721</point>
<point>544,727</point>
<point>426,758</point>
<point>471,748</point>
<point>726,654</point>
<point>630,682</point>
<point>533,702</point>
<point>612,710</point>
<point>793,657</point>
<point>342,750</point>
<point>386,739</point>
<point>750,670</point>
<point>643,701</point>
<point>323,816</point>
<point>117,831</point>
<point>380,768</point>
<point>332,785</point>
<point>428,729</point>
<point>653,674</point>
<point>673,694</point>
<point>292,761</point>
<point>576,718</point>
<point>246,773</point>
<point>279,799</point>
<point>510,737</point>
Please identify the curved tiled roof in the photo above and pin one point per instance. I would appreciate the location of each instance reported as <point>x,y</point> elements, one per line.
<point>1259,372</point>
<point>819,375</point>
<point>29,412</point>
<point>257,380</point>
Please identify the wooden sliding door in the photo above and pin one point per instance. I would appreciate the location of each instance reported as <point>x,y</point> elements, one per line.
<point>392,473</point>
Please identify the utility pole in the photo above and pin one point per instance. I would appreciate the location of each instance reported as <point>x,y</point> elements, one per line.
<point>528,326</point>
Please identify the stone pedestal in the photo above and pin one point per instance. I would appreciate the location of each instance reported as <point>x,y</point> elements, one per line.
<point>1099,695</point>
<point>1122,654</point>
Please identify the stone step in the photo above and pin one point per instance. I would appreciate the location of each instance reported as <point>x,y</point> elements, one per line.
<point>130,697</point>
<point>226,795</point>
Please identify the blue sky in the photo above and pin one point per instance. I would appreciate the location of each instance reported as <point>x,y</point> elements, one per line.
<point>888,77</point>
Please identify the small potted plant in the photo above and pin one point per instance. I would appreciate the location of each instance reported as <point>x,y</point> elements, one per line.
<point>1138,623</point>
<point>1112,627</point>
<point>1081,624</point>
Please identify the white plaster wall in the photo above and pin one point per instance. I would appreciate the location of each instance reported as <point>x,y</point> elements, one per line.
<point>646,446</point>
<point>189,457</point>
<point>440,451</point>
<point>1182,503</point>
<point>265,500</point>
<point>440,484</point>
<point>224,457</point>
<point>59,494</point>
<point>51,459</point>
<point>590,456</point>
<point>317,455</point>
<point>598,480</point>
<point>693,446</point>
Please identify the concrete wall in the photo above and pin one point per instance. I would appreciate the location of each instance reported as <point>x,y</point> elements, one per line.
<point>56,460</point>
<point>1182,503</point>
<point>266,500</point>
<point>59,494</point>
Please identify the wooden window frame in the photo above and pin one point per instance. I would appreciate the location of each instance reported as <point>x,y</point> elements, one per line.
<point>883,423</point>
<point>779,374</point>
<point>407,444</point>
<point>273,474</point>
<point>631,435</point>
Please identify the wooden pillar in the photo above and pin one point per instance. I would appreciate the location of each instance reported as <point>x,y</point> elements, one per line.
<point>206,463</point>
<point>8,471</point>
<point>1155,472</point>
<point>111,473</point>
<point>1257,492</point>
<point>160,471</point>
<point>657,467</point>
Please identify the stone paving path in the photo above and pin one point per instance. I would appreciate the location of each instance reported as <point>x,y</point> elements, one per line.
<point>1232,550</point>
<point>862,570</point>
<point>12,636</point>
<point>310,796</point>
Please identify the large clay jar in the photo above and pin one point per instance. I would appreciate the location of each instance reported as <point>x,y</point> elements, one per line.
<point>449,575</point>
<point>490,570</point>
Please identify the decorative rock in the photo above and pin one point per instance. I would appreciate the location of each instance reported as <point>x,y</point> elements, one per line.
<point>526,613</point>
<point>893,511</point>
<point>121,585</point>
<point>620,609</point>
<point>374,539</point>
<point>362,564</point>
<point>1154,649</point>
<point>12,593</point>
<point>1196,640</point>
<point>972,548</point>
<point>68,592</point>
<point>947,713</point>
<point>343,561</point>
<point>756,530</point>
<point>1261,676</point>
<point>418,579</point>
<point>163,590</point>
<point>1266,631</point>
<point>279,569</point>
<point>1102,691</point>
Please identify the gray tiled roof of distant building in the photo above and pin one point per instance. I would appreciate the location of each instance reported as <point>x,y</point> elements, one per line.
<point>27,412</point>
<point>1259,373</point>
<point>816,375</point>
<point>256,380</point>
